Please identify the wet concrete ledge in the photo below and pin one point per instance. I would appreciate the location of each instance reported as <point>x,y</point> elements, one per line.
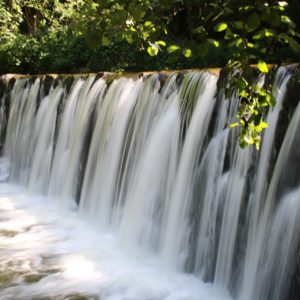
<point>213,71</point>
<point>7,77</point>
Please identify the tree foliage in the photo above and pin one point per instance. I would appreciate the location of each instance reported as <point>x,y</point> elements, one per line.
<point>260,29</point>
<point>252,30</point>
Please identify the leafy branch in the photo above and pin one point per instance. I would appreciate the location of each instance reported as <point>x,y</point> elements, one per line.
<point>261,28</point>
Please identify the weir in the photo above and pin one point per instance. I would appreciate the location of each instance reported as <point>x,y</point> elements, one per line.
<point>152,162</point>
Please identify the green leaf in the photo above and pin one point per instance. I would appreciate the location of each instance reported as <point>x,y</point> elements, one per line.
<point>217,16</point>
<point>293,44</point>
<point>283,38</point>
<point>257,144</point>
<point>200,32</point>
<point>238,24</point>
<point>239,43</point>
<point>262,66</point>
<point>263,125</point>
<point>269,33</point>
<point>187,52</point>
<point>232,125</point>
<point>274,19</point>
<point>202,50</point>
<point>259,35</point>
<point>246,8</point>
<point>253,22</point>
<point>256,119</point>
<point>105,41</point>
<point>288,21</point>
<point>128,37</point>
<point>145,35</point>
<point>214,42</point>
<point>162,43</point>
<point>250,140</point>
<point>173,48</point>
<point>164,28</point>
<point>153,50</point>
<point>172,59</point>
<point>243,143</point>
<point>220,27</point>
<point>272,100</point>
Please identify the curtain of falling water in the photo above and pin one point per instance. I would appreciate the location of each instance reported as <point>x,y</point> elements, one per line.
<point>153,160</point>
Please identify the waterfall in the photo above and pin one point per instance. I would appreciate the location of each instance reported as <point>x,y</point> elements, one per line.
<point>152,161</point>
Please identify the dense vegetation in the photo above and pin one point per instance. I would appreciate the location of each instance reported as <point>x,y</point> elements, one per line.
<point>39,36</point>
<point>43,36</point>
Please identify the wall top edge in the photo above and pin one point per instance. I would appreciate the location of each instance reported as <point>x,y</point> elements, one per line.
<point>213,71</point>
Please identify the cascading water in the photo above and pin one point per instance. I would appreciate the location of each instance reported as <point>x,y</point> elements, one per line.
<point>172,200</point>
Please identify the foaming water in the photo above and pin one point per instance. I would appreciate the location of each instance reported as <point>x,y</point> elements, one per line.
<point>47,253</point>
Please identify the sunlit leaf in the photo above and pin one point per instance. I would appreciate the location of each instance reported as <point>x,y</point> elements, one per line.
<point>153,50</point>
<point>145,35</point>
<point>173,48</point>
<point>220,27</point>
<point>259,35</point>
<point>239,42</point>
<point>262,66</point>
<point>214,42</point>
<point>268,33</point>
<point>162,43</point>
<point>263,125</point>
<point>232,125</point>
<point>164,28</point>
<point>187,52</point>
<point>288,21</point>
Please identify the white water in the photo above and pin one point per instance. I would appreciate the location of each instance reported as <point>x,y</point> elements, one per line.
<point>169,200</point>
<point>72,258</point>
